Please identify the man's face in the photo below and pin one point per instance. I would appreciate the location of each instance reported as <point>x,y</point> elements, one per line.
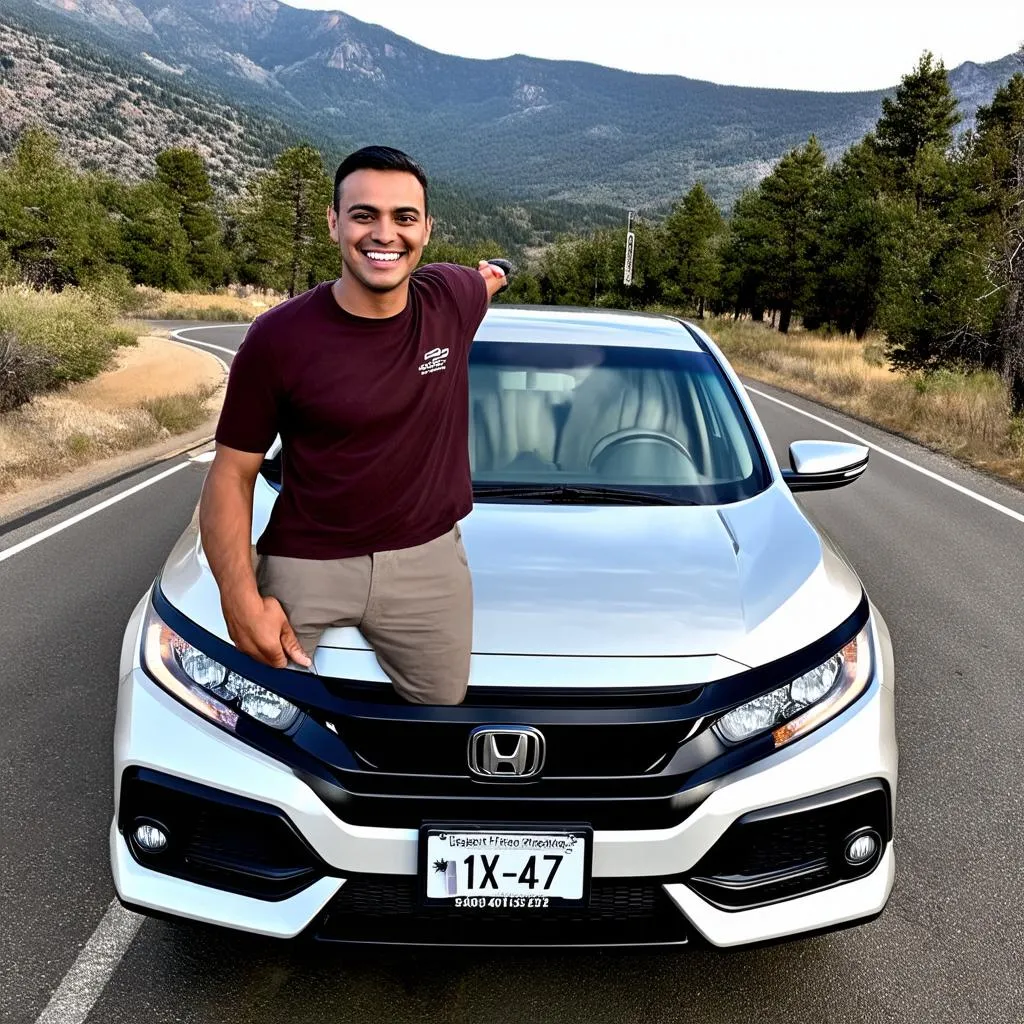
<point>381,227</point>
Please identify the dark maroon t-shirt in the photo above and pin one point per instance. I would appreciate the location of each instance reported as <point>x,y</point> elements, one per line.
<point>373,415</point>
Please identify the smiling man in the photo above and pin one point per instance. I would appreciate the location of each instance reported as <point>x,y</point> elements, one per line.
<point>366,381</point>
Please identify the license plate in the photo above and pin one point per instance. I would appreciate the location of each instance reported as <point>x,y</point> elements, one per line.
<point>528,869</point>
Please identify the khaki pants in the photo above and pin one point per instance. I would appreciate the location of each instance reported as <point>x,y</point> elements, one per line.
<point>414,606</point>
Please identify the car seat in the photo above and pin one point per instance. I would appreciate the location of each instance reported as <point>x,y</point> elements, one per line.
<point>628,423</point>
<point>512,418</point>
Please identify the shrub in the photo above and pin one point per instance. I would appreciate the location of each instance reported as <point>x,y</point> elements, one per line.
<point>22,373</point>
<point>115,285</point>
<point>71,334</point>
<point>1015,436</point>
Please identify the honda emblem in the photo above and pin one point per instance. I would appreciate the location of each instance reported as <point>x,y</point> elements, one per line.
<point>506,752</point>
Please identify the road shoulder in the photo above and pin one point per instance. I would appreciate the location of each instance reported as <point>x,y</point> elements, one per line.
<point>156,368</point>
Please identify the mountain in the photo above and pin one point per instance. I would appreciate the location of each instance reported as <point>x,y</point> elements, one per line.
<point>530,128</point>
<point>113,115</point>
<point>113,112</point>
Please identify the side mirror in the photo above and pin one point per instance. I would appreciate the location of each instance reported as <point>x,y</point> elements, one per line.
<point>821,465</point>
<point>272,468</point>
<point>271,471</point>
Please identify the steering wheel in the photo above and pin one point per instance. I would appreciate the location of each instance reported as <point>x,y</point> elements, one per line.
<point>634,434</point>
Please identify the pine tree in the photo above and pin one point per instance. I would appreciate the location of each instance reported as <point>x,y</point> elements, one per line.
<point>792,196</point>
<point>746,255</point>
<point>847,252</point>
<point>155,248</point>
<point>282,225</point>
<point>53,227</point>
<point>693,233</point>
<point>998,161</point>
<point>920,117</point>
<point>183,174</point>
<point>934,305</point>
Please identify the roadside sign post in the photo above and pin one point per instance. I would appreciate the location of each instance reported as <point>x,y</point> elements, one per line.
<point>627,270</point>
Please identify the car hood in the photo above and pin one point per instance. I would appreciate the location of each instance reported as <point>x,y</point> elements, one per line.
<point>742,584</point>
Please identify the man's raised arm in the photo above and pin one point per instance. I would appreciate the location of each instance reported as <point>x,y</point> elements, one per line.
<point>494,275</point>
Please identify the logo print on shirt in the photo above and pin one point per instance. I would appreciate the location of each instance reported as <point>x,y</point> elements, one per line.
<point>433,361</point>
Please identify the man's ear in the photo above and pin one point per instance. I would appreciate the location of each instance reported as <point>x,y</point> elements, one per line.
<point>430,227</point>
<point>332,224</point>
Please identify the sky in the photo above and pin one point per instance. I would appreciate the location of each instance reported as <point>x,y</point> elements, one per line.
<point>791,44</point>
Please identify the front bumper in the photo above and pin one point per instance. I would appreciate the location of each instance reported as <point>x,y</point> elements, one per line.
<point>156,732</point>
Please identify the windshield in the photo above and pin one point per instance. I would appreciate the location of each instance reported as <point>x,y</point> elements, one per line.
<point>656,420</point>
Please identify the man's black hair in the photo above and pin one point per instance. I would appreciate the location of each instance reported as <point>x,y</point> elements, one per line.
<point>379,158</point>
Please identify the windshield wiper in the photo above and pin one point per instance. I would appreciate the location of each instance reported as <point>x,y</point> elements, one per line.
<point>576,494</point>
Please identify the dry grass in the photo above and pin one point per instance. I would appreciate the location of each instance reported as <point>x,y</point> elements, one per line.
<point>236,304</point>
<point>56,434</point>
<point>180,413</point>
<point>965,414</point>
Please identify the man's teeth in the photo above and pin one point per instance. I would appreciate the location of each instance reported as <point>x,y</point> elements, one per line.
<point>384,257</point>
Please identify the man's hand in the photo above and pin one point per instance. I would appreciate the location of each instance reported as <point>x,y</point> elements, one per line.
<point>494,277</point>
<point>261,629</point>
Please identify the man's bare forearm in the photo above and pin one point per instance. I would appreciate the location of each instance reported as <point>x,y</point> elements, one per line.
<point>257,624</point>
<point>225,522</point>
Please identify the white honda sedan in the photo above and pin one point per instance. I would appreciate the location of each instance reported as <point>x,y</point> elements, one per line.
<point>679,727</point>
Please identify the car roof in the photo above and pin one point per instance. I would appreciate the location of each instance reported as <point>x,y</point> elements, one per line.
<point>570,325</point>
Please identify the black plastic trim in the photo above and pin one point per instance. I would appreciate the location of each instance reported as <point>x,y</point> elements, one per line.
<point>256,881</point>
<point>408,922</point>
<point>820,801</point>
<point>760,890</point>
<point>799,482</point>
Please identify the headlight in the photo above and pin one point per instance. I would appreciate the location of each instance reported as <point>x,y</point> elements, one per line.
<point>206,685</point>
<point>803,704</point>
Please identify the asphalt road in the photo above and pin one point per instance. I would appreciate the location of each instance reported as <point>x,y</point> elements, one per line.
<point>947,572</point>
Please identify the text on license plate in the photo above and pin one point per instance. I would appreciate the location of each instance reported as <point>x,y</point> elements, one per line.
<point>548,864</point>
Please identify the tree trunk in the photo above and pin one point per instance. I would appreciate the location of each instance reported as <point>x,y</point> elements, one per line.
<point>785,315</point>
<point>700,309</point>
<point>1011,341</point>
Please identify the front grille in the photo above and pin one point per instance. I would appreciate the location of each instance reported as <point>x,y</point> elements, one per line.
<point>215,838</point>
<point>792,849</point>
<point>387,909</point>
<point>777,845</point>
<point>574,749</point>
<point>396,765</point>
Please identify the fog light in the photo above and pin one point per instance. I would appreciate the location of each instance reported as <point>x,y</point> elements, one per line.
<point>150,838</point>
<point>861,849</point>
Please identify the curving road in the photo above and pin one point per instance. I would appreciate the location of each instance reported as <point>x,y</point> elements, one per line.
<point>940,551</point>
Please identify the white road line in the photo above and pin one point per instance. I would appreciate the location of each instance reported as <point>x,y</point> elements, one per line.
<point>176,336</point>
<point>214,327</point>
<point>188,343</point>
<point>1012,513</point>
<point>81,986</point>
<point>31,541</point>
